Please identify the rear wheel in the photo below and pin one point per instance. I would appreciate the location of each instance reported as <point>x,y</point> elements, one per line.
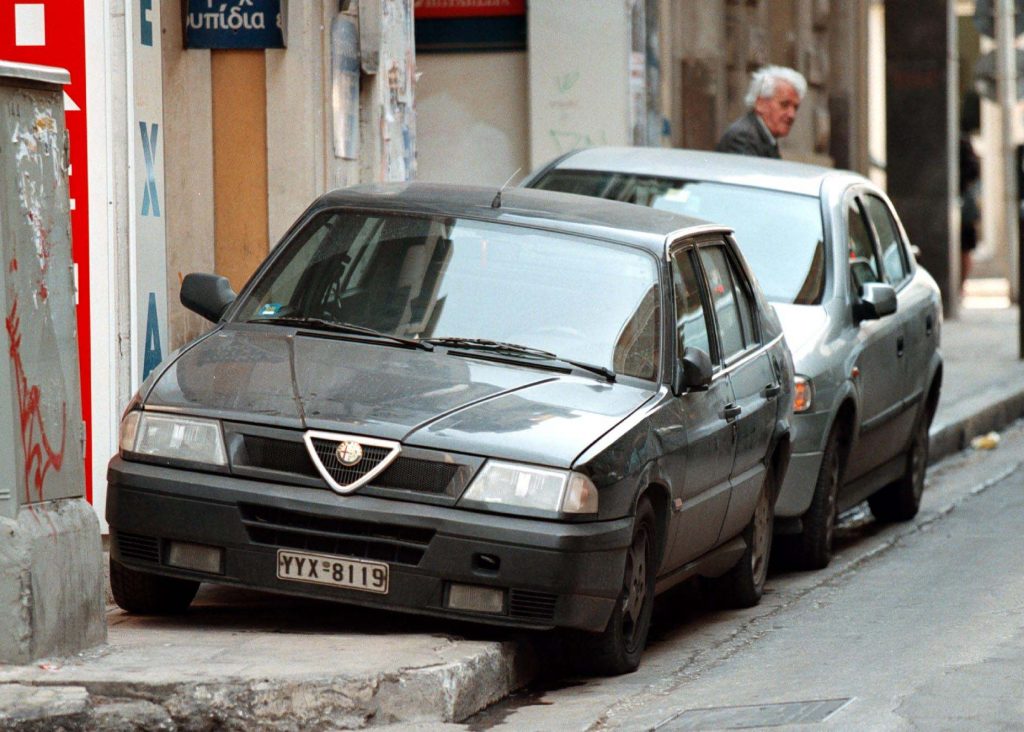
<point>150,594</point>
<point>743,585</point>
<point>901,499</point>
<point>814,544</point>
<point>618,649</point>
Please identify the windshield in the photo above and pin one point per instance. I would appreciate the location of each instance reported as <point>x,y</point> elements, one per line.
<point>779,233</point>
<point>431,277</point>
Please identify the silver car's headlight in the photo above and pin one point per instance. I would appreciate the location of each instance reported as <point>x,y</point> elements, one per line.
<point>524,489</point>
<point>189,439</point>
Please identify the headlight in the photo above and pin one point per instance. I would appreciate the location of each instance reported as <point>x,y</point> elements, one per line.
<point>189,439</point>
<point>512,488</point>
<point>803,394</point>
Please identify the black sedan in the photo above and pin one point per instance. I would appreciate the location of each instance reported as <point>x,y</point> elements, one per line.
<point>520,407</point>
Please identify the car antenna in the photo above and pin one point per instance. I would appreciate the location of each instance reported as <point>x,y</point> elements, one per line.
<point>496,203</point>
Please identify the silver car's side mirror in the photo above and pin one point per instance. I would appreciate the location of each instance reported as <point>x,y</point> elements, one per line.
<point>693,372</point>
<point>876,301</point>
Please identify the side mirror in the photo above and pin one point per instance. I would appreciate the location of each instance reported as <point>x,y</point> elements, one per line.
<point>876,301</point>
<point>693,372</point>
<point>207,294</point>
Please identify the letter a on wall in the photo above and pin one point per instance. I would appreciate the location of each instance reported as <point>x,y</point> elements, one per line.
<point>153,356</point>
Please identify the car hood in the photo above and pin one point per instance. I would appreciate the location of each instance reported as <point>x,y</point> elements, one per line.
<point>274,375</point>
<point>804,326</point>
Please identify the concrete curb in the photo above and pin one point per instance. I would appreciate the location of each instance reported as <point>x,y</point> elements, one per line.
<point>953,435</point>
<point>448,692</point>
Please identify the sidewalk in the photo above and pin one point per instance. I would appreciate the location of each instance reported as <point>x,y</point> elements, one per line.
<point>247,660</point>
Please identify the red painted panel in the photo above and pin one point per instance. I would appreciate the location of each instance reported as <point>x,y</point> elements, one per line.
<point>467,8</point>
<point>65,47</point>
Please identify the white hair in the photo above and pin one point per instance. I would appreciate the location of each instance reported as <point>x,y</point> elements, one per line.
<point>764,80</point>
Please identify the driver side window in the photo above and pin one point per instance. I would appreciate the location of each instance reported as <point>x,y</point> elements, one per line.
<point>691,321</point>
<point>863,263</point>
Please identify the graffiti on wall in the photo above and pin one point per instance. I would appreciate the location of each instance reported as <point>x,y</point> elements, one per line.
<point>37,449</point>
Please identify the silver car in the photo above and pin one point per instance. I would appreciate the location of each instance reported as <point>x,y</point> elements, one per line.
<point>862,317</point>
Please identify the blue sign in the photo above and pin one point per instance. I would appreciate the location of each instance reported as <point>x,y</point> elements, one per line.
<point>234,24</point>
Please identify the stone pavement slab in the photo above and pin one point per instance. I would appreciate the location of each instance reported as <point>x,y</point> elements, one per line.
<point>249,660</point>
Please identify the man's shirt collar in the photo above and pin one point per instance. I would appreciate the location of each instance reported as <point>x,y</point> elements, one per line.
<point>764,128</point>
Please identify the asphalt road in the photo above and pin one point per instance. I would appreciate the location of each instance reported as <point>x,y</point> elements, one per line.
<point>913,626</point>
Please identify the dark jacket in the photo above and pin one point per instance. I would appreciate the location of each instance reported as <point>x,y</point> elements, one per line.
<point>747,136</point>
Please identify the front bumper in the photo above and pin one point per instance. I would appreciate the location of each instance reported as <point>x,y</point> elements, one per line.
<point>552,574</point>
<point>810,431</point>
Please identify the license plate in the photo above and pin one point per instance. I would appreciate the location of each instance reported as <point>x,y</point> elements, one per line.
<point>327,569</point>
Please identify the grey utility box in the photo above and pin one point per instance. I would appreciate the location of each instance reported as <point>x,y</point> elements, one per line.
<point>51,562</point>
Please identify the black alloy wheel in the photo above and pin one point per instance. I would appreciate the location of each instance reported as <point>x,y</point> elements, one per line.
<point>814,543</point>
<point>901,499</point>
<point>617,650</point>
<point>743,585</point>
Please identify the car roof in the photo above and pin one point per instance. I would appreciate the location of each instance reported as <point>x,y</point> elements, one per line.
<point>745,170</point>
<point>564,212</point>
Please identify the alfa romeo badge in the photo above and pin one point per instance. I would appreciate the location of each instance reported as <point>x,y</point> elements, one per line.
<point>348,453</point>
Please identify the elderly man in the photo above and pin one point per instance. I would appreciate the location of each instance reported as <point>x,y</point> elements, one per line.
<point>773,99</point>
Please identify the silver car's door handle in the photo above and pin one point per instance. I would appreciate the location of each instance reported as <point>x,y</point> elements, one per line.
<point>899,346</point>
<point>771,391</point>
<point>732,411</point>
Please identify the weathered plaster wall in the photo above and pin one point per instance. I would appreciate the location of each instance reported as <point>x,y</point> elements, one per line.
<point>472,108</point>
<point>188,170</point>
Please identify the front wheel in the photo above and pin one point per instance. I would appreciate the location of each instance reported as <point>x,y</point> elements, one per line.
<point>814,543</point>
<point>617,650</point>
<point>901,499</point>
<point>743,585</point>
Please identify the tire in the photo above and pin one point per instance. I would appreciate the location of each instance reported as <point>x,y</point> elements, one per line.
<point>743,585</point>
<point>901,499</point>
<point>617,650</point>
<point>813,546</point>
<point>142,593</point>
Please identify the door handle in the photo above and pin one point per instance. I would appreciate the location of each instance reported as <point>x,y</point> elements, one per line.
<point>929,324</point>
<point>899,346</point>
<point>771,391</point>
<point>732,411</point>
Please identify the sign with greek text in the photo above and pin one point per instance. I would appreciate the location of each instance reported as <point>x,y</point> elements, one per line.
<point>234,24</point>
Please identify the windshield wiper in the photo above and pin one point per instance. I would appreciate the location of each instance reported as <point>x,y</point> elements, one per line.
<point>515,349</point>
<point>335,327</point>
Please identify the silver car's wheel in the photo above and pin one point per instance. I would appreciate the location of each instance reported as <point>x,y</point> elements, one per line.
<point>900,500</point>
<point>813,546</point>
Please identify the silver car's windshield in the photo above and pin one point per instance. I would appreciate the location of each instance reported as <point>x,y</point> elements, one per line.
<point>780,233</point>
<point>435,278</point>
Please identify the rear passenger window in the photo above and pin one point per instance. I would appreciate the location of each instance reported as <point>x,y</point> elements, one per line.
<point>889,242</point>
<point>733,311</point>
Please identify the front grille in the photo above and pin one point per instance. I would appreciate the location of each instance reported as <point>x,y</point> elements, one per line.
<point>139,548</point>
<point>412,474</point>
<point>283,456</point>
<point>329,535</point>
<point>531,604</point>
<point>343,475</point>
